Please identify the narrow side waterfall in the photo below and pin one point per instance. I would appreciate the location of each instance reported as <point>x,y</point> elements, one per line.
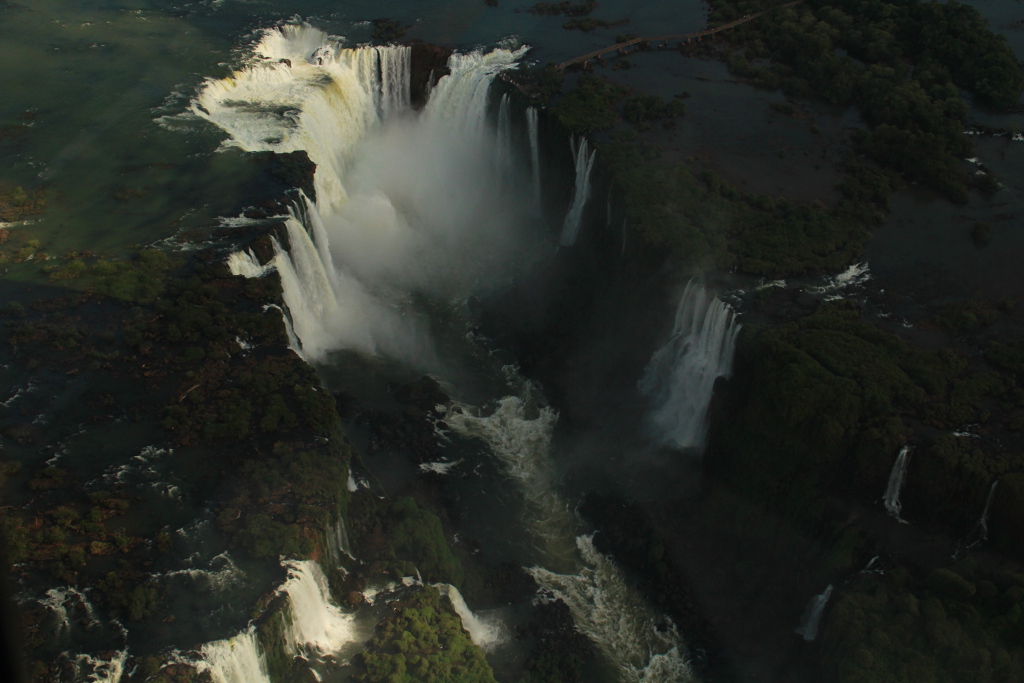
<point>532,129</point>
<point>983,520</point>
<point>337,540</point>
<point>616,617</point>
<point>603,604</point>
<point>680,377</point>
<point>896,477</point>
<point>813,613</point>
<point>581,191</point>
<point>504,155</point>
<point>485,633</point>
<point>316,623</point>
<point>246,264</point>
<point>235,660</point>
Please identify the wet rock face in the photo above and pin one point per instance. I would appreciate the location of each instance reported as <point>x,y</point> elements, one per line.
<point>429,63</point>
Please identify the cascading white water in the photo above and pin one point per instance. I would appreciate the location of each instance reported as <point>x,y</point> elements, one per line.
<point>616,617</point>
<point>604,606</point>
<point>246,264</point>
<point>895,485</point>
<point>680,377</point>
<point>405,201</point>
<point>316,624</point>
<point>811,619</point>
<point>486,633</point>
<point>533,132</point>
<point>235,660</point>
<point>102,670</point>
<point>301,91</point>
<point>581,191</point>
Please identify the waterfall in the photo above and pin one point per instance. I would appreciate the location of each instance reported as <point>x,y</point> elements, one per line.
<point>246,264</point>
<point>235,660</point>
<point>504,155</point>
<point>337,541</point>
<point>581,192</point>
<point>896,477</point>
<point>533,132</point>
<point>401,204</point>
<point>983,520</point>
<point>485,633</point>
<point>301,91</point>
<point>617,619</point>
<point>680,377</point>
<point>460,98</point>
<point>811,619</point>
<point>316,623</point>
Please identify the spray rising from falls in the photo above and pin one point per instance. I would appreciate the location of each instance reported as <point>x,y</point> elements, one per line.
<point>680,377</point>
<point>405,201</point>
<point>895,485</point>
<point>581,191</point>
<point>603,604</point>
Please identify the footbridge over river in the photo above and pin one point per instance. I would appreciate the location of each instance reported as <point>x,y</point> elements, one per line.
<point>682,37</point>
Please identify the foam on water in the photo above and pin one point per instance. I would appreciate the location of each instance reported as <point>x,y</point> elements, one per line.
<point>616,617</point>
<point>518,432</point>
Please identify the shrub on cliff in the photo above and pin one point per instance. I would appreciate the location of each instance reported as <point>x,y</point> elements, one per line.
<point>422,641</point>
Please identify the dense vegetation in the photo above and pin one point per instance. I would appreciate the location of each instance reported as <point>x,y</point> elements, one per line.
<point>902,63</point>
<point>422,641</point>
<point>958,625</point>
<point>705,220</point>
<point>829,400</point>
